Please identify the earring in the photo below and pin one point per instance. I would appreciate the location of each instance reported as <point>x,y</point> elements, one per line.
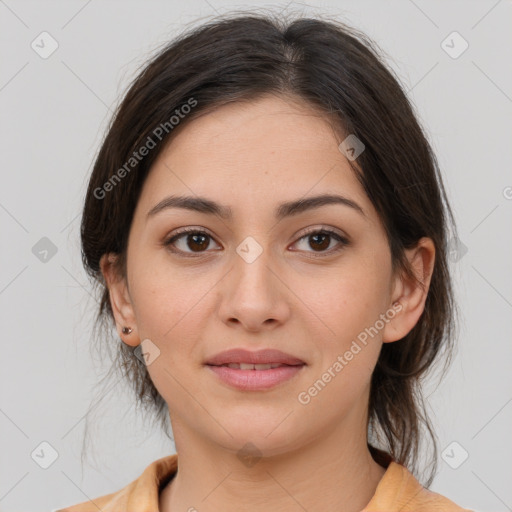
<point>127,330</point>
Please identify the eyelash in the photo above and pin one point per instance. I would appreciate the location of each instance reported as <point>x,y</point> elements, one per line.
<point>187,231</point>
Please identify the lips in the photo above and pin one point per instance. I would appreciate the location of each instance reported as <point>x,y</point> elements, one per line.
<point>254,360</point>
<point>248,366</point>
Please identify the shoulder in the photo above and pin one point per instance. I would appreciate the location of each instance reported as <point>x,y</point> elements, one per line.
<point>399,490</point>
<point>140,494</point>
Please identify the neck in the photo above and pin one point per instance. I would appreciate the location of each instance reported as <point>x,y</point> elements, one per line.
<point>335,472</point>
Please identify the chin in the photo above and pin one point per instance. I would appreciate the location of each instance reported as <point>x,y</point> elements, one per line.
<point>268,436</point>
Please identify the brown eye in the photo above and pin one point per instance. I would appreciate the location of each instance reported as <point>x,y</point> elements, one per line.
<point>197,242</point>
<point>190,241</point>
<point>320,241</point>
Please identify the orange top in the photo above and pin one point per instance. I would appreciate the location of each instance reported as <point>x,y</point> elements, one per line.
<point>398,490</point>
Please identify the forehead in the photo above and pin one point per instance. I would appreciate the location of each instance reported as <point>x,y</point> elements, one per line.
<point>260,120</point>
<point>254,153</point>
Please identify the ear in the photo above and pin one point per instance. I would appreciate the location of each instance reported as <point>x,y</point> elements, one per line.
<point>119,299</point>
<point>409,296</point>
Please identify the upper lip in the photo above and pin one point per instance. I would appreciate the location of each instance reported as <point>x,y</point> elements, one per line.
<point>265,356</point>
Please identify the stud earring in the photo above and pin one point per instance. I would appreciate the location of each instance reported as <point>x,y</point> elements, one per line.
<point>127,330</point>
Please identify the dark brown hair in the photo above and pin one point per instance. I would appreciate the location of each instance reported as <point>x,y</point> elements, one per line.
<point>340,72</point>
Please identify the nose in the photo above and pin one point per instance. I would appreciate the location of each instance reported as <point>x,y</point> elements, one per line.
<point>253,296</point>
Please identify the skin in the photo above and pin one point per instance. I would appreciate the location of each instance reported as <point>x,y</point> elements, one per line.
<point>298,296</point>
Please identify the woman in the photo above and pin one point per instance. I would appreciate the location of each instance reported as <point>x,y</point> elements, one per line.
<point>268,226</point>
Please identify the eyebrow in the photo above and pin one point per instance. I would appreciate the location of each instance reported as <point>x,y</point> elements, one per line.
<point>287,209</point>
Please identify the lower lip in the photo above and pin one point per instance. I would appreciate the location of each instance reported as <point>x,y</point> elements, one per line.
<point>254,380</point>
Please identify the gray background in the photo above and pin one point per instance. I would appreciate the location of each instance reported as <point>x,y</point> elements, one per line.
<point>54,111</point>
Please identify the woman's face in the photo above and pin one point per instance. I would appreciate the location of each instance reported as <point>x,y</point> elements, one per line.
<point>259,278</point>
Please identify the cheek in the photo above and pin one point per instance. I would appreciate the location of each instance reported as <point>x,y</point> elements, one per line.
<point>347,344</point>
<point>345,301</point>
<point>171,311</point>
<point>345,326</point>
<point>171,315</point>
<point>161,295</point>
